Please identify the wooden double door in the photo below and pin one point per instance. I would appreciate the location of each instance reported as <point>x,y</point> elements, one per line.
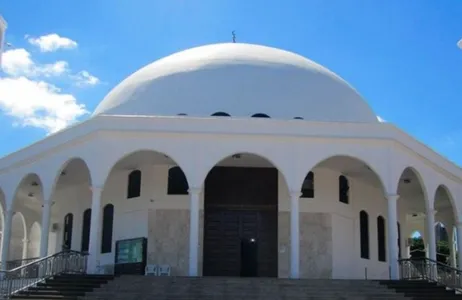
<point>241,222</point>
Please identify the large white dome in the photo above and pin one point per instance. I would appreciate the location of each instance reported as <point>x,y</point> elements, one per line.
<point>240,80</point>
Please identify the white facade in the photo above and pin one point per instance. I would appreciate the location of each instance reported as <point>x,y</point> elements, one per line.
<point>389,173</point>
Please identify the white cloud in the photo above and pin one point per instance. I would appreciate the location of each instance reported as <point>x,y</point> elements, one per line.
<point>84,78</point>
<point>18,62</point>
<point>380,119</point>
<point>52,42</point>
<point>38,104</point>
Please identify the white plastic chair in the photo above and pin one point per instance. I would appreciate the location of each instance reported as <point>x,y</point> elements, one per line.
<point>151,270</point>
<point>164,270</point>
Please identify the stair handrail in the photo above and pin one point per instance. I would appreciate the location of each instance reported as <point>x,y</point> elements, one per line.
<point>430,270</point>
<point>22,277</point>
<point>12,264</point>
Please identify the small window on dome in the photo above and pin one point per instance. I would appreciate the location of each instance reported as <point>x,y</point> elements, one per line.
<point>182,114</point>
<point>298,118</point>
<point>220,114</point>
<point>260,115</point>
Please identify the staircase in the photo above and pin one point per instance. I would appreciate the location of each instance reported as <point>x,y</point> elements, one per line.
<point>64,287</point>
<point>224,288</point>
<point>417,289</point>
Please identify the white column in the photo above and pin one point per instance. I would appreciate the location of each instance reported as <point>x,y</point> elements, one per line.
<point>459,244</point>
<point>46,211</point>
<point>193,230</point>
<point>393,236</point>
<point>452,246</point>
<point>6,237</point>
<point>25,247</point>
<point>295,234</point>
<point>95,222</point>
<point>430,230</point>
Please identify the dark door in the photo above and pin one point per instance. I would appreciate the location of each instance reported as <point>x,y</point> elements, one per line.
<point>240,226</point>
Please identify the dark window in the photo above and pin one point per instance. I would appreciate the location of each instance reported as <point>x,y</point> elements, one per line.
<point>298,118</point>
<point>381,238</point>
<point>344,189</point>
<point>221,114</point>
<point>182,114</point>
<point>308,186</point>
<point>67,232</point>
<point>177,182</point>
<point>86,224</point>
<point>108,221</point>
<point>364,233</point>
<point>134,184</point>
<point>260,115</point>
<point>399,240</point>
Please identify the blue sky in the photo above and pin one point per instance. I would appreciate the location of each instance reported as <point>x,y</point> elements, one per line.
<point>400,55</point>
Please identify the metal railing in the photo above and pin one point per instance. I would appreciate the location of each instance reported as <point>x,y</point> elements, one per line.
<point>20,278</point>
<point>13,264</point>
<point>430,270</point>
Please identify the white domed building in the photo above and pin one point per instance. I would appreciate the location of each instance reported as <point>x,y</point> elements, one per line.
<point>231,160</point>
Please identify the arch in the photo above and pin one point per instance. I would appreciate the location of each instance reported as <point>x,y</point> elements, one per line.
<point>220,114</point>
<point>343,189</point>
<point>410,171</point>
<point>238,155</point>
<point>348,165</point>
<point>381,239</point>
<point>67,231</point>
<point>444,202</point>
<point>130,161</point>
<point>30,187</point>
<point>364,234</point>
<point>108,223</point>
<point>177,182</point>
<point>35,234</point>
<point>70,169</point>
<point>308,186</point>
<point>18,236</point>
<point>134,184</point>
<point>260,115</point>
<point>86,228</point>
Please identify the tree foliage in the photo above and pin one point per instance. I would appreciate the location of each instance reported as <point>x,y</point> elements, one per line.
<point>442,249</point>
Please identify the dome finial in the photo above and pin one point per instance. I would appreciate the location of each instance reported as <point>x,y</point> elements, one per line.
<point>234,36</point>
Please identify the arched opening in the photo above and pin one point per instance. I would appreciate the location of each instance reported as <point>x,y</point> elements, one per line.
<point>241,217</point>
<point>416,245</point>
<point>343,189</point>
<point>86,227</point>
<point>33,250</point>
<point>71,193</point>
<point>221,114</point>
<point>134,184</point>
<point>18,237</point>
<point>364,234</point>
<point>177,182</point>
<point>308,186</point>
<point>108,223</point>
<point>412,209</point>
<point>445,226</point>
<point>67,231</point>
<point>381,239</point>
<point>260,115</point>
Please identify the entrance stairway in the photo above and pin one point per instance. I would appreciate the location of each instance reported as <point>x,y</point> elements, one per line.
<point>224,288</point>
<point>64,287</point>
<point>418,289</point>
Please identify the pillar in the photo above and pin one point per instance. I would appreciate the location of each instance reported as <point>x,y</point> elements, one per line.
<point>430,230</point>
<point>6,238</point>
<point>193,230</point>
<point>452,246</point>
<point>25,248</point>
<point>459,244</point>
<point>46,211</point>
<point>295,234</point>
<point>95,223</point>
<point>393,236</point>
